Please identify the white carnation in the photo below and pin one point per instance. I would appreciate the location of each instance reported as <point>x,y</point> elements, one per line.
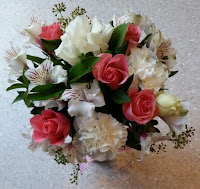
<point>100,136</point>
<point>82,37</point>
<point>148,72</point>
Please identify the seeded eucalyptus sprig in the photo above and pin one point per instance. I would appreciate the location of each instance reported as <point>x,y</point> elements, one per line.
<point>182,139</point>
<point>74,175</point>
<point>59,8</point>
<point>158,148</point>
<point>60,158</point>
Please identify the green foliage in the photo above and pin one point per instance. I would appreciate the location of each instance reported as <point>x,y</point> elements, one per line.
<point>133,139</point>
<point>16,86</point>
<point>117,37</point>
<point>82,68</point>
<point>135,130</point>
<point>120,97</point>
<point>123,48</point>
<point>35,59</point>
<point>172,73</point>
<point>62,63</point>
<point>19,97</point>
<point>51,45</point>
<point>144,41</point>
<point>127,84</point>
<point>22,95</point>
<point>45,92</point>
<point>37,110</point>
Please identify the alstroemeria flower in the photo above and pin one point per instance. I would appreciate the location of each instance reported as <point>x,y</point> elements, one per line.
<point>33,32</point>
<point>46,73</point>
<point>83,98</point>
<point>148,139</point>
<point>16,59</point>
<point>166,54</point>
<point>51,103</point>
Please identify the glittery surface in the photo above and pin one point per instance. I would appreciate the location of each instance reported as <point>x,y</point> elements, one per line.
<point>22,169</point>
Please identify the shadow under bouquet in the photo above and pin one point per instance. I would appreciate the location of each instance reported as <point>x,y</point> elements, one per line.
<point>97,88</point>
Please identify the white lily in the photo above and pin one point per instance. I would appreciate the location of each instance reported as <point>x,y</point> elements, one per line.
<point>83,98</point>
<point>147,140</point>
<point>16,58</point>
<point>46,73</point>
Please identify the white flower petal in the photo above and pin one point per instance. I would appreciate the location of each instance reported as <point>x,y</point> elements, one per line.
<point>46,73</point>
<point>176,123</point>
<point>82,37</point>
<point>16,59</point>
<point>150,73</point>
<point>33,32</point>
<point>148,139</point>
<point>99,137</point>
<point>80,108</point>
<point>59,75</point>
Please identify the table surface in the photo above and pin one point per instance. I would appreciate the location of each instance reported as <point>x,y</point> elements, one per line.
<point>22,169</point>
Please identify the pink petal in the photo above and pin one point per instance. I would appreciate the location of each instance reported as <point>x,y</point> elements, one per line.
<point>38,136</point>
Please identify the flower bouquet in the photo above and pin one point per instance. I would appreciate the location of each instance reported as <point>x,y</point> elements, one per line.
<point>97,88</point>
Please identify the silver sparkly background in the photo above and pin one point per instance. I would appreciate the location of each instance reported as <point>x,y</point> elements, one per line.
<point>21,169</point>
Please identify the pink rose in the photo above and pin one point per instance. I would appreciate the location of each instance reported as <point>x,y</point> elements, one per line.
<point>142,107</point>
<point>111,70</point>
<point>133,35</point>
<point>51,32</point>
<point>50,125</point>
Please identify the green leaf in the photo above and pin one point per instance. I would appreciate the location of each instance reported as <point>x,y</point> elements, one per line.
<point>25,80</point>
<point>144,41</point>
<point>50,87</point>
<point>105,89</point>
<point>51,45</point>
<point>82,68</point>
<point>45,92</point>
<point>65,65</point>
<point>117,37</point>
<point>19,97</point>
<point>37,110</point>
<point>44,96</point>
<point>120,97</point>
<point>172,73</point>
<point>123,48</point>
<point>133,139</point>
<point>127,84</point>
<point>35,59</point>
<point>16,86</point>
<point>20,79</point>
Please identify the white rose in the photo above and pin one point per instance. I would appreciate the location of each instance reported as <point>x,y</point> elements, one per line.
<point>82,37</point>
